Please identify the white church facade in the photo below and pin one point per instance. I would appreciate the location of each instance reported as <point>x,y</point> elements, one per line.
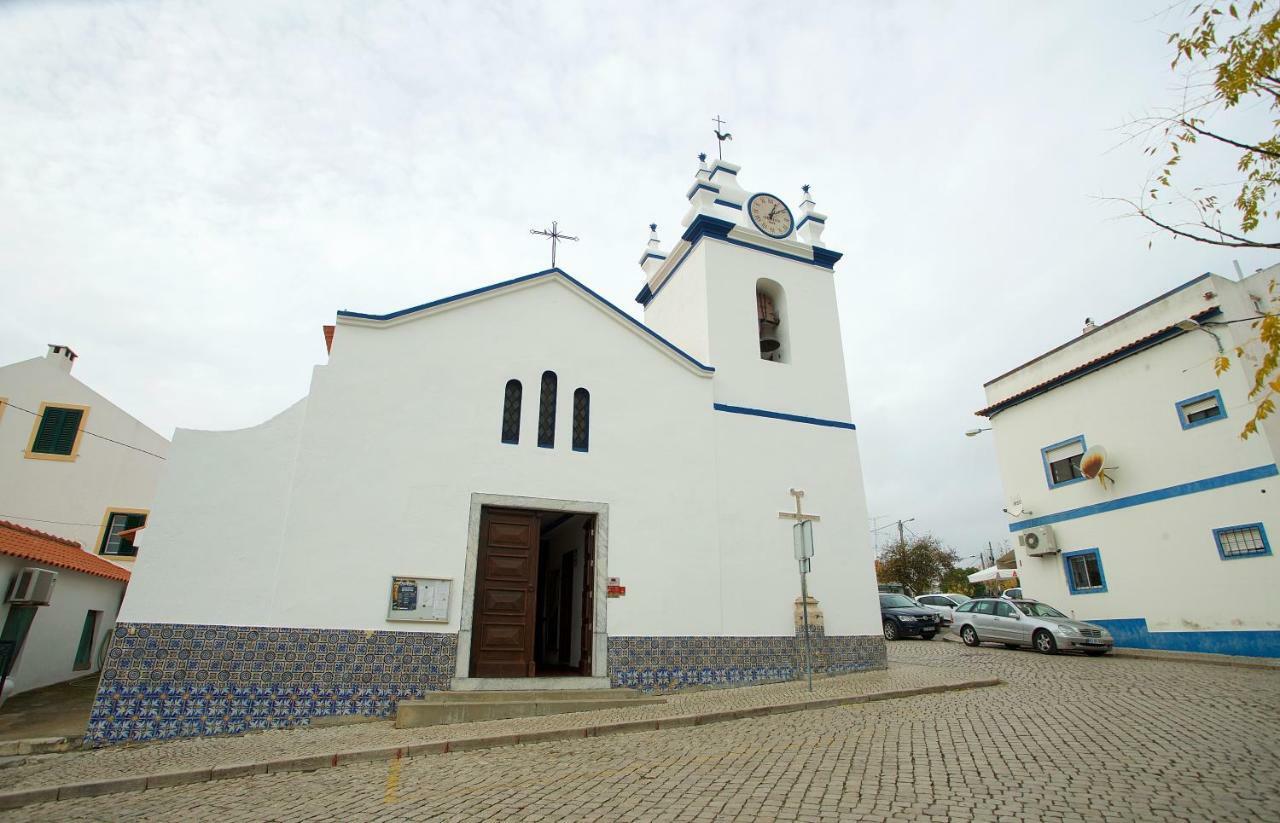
<point>572,498</point>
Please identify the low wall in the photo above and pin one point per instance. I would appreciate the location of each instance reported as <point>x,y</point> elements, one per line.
<point>1132,633</point>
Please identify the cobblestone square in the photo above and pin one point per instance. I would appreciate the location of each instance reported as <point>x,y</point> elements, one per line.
<point>1068,738</point>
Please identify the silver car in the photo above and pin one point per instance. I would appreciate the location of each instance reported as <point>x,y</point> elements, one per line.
<point>1018,623</point>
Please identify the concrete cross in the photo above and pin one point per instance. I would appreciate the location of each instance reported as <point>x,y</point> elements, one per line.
<point>798,515</point>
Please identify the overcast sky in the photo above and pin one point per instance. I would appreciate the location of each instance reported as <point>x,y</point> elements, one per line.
<point>189,191</point>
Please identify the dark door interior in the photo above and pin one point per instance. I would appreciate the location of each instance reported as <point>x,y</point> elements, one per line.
<point>506,576</point>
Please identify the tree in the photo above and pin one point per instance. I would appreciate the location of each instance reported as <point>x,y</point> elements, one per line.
<point>1237,49</point>
<point>917,565</point>
<point>957,581</point>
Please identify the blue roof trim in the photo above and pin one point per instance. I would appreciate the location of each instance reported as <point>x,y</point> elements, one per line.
<point>525,278</point>
<point>1182,489</point>
<point>720,202</point>
<point>654,254</point>
<point>1150,341</point>
<point>700,185</point>
<point>1130,312</point>
<point>808,218</point>
<point>718,166</point>
<point>704,225</point>
<point>794,418</point>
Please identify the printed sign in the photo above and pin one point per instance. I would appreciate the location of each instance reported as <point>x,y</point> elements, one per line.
<point>422,599</point>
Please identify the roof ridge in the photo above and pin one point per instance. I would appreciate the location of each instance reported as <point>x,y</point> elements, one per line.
<point>37,533</point>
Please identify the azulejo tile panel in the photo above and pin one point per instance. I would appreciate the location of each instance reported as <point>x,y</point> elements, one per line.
<point>164,680</point>
<point>665,664</point>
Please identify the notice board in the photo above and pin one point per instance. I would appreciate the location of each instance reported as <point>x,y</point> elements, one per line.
<point>421,599</point>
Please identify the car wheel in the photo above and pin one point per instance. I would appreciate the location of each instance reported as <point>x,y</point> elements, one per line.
<point>1044,642</point>
<point>890,630</point>
<point>969,636</point>
<point>1097,652</point>
<point>928,635</point>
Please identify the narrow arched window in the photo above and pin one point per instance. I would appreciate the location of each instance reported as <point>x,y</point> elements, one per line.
<point>547,411</point>
<point>771,321</point>
<point>511,412</point>
<point>581,420</point>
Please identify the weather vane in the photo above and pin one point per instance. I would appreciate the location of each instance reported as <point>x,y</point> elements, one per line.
<point>555,235</point>
<point>720,136</point>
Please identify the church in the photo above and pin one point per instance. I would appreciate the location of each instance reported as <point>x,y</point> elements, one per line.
<point>572,498</point>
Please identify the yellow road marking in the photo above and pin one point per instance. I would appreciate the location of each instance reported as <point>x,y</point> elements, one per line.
<point>393,780</point>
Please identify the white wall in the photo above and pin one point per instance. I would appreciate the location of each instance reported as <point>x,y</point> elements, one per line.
<point>49,653</point>
<point>1159,559</point>
<point>103,476</point>
<point>403,425</point>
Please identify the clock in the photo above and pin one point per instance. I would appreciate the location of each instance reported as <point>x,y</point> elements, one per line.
<point>770,215</point>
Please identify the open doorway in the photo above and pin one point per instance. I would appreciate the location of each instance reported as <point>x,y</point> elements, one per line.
<point>535,594</point>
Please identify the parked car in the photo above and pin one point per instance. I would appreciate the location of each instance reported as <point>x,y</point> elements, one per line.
<point>1017,623</point>
<point>1012,594</point>
<point>944,604</point>
<point>903,617</point>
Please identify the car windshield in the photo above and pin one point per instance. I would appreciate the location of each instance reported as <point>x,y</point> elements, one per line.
<point>1039,609</point>
<point>960,599</point>
<point>895,601</point>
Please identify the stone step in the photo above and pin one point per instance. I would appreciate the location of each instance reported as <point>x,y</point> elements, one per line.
<point>530,695</point>
<point>415,713</point>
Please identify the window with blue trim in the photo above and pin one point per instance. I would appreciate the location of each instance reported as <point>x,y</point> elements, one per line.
<point>1201,409</point>
<point>1062,462</point>
<point>1084,571</point>
<point>1249,540</point>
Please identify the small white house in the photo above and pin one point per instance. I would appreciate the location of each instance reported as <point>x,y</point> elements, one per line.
<point>1170,545</point>
<point>60,472</point>
<point>59,608</point>
<point>521,486</point>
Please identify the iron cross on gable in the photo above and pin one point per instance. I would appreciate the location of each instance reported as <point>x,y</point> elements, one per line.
<point>555,235</point>
<point>798,515</point>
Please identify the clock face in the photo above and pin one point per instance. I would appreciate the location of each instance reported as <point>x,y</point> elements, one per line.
<point>770,215</point>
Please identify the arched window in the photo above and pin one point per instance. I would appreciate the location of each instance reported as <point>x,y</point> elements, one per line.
<point>511,412</point>
<point>771,321</point>
<point>581,420</point>
<point>547,411</point>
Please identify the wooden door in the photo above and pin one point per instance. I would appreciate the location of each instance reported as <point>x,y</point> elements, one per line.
<point>588,596</point>
<point>506,577</point>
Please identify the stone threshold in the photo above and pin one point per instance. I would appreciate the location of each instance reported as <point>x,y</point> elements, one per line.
<point>138,783</point>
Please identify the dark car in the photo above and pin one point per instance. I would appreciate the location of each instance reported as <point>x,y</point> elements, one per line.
<point>903,617</point>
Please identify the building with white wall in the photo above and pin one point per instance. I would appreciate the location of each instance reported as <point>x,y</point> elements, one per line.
<point>520,486</point>
<point>60,472</point>
<point>1172,549</point>
<point>56,631</point>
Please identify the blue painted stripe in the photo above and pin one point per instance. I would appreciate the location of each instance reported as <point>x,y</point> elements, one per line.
<point>809,219</point>
<point>718,167</point>
<point>1194,487</point>
<point>546,273</point>
<point>794,418</point>
<point>720,202</point>
<point>706,226</point>
<point>654,255</point>
<point>1132,633</point>
<point>694,190</point>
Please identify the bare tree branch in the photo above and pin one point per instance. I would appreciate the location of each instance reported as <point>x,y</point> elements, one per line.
<point>1230,142</point>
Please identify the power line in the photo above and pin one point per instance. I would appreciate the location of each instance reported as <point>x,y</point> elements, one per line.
<point>91,434</point>
<point>54,522</point>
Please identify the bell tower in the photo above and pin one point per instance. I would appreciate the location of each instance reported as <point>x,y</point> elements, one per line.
<point>749,289</point>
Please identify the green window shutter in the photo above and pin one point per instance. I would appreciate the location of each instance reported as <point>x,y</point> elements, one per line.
<point>57,432</point>
<point>86,640</point>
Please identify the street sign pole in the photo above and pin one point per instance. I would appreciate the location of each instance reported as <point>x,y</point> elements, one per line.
<point>802,539</point>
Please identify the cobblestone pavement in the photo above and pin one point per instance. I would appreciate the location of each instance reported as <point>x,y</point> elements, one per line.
<point>150,758</point>
<point>1069,738</point>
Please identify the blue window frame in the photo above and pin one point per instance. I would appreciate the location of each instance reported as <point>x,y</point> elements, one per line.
<point>1201,409</point>
<point>1248,540</point>
<point>1062,461</point>
<point>1084,571</point>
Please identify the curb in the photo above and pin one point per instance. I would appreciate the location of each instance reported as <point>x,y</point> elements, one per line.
<point>138,783</point>
<point>38,745</point>
<point>1234,662</point>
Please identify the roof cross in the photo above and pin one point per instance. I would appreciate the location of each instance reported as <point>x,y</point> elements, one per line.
<point>798,515</point>
<point>555,235</point>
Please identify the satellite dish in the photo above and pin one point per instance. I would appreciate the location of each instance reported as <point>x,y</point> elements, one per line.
<point>1093,464</point>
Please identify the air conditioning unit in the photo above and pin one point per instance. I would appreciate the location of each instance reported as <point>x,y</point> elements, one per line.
<point>1038,541</point>
<point>33,587</point>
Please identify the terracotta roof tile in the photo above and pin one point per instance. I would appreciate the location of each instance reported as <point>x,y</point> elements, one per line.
<point>51,550</point>
<point>1155,337</point>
